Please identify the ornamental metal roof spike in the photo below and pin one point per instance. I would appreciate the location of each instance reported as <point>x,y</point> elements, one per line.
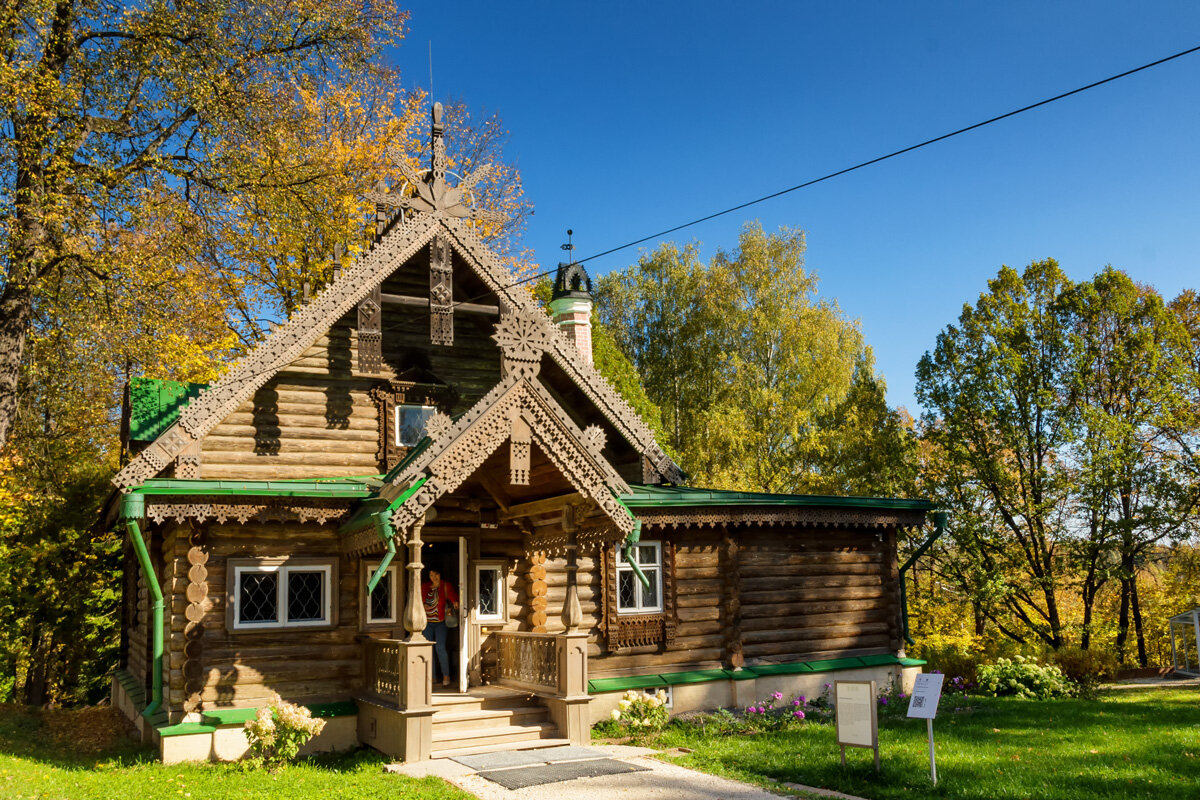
<point>431,194</point>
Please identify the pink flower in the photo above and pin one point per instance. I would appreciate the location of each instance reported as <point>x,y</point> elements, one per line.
<point>751,710</point>
<point>796,702</point>
<point>798,714</point>
<point>778,695</point>
<point>803,699</point>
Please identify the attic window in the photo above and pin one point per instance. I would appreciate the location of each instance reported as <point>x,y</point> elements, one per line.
<point>409,424</point>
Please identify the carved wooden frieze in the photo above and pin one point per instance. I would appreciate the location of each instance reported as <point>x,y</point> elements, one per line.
<point>768,515</point>
<point>221,510</point>
<point>370,332</point>
<point>441,292</point>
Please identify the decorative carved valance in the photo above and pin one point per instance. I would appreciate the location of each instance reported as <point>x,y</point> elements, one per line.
<point>390,394</point>
<point>636,630</point>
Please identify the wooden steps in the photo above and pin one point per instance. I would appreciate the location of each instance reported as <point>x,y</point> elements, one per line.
<point>490,718</point>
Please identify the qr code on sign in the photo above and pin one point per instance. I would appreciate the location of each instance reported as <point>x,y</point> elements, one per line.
<point>919,701</point>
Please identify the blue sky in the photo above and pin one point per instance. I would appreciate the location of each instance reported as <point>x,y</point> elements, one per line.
<point>629,118</point>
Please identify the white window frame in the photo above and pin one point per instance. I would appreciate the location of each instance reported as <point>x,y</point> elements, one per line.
<point>281,621</point>
<point>623,567</point>
<point>397,428</point>
<point>393,574</point>
<point>501,591</point>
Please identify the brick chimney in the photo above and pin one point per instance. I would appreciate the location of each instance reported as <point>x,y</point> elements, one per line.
<point>571,306</point>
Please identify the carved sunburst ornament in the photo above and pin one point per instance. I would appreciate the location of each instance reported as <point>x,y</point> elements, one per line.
<point>438,426</point>
<point>432,195</point>
<point>522,337</point>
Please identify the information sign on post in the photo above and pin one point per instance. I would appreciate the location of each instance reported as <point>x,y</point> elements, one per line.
<point>927,692</point>
<point>857,716</point>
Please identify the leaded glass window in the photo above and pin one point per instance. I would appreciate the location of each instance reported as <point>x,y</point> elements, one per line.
<point>381,605</point>
<point>279,595</point>
<point>258,598</point>
<point>632,596</point>
<point>306,594</point>
<point>489,581</point>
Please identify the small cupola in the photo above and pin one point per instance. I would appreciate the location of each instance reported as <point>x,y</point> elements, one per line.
<point>571,304</point>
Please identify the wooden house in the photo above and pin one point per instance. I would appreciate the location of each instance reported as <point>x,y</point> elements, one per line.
<point>424,411</point>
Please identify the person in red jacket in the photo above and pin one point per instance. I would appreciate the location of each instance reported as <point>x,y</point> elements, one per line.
<point>438,596</point>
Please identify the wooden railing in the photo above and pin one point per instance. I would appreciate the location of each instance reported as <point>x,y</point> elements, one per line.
<point>383,674</point>
<point>529,660</point>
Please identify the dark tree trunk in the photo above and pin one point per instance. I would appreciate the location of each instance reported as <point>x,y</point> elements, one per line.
<point>1123,621</point>
<point>980,619</point>
<point>1136,608</point>
<point>36,676</point>
<point>16,308</point>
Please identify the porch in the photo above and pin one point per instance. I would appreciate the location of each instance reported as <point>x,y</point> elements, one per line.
<point>539,700</point>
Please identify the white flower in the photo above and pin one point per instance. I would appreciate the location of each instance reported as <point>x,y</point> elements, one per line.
<point>616,714</point>
<point>624,704</point>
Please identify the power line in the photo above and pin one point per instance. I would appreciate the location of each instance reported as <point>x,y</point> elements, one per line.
<point>872,161</point>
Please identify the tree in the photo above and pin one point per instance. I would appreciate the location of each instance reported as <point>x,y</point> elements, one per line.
<point>1128,367</point>
<point>104,102</point>
<point>998,387</point>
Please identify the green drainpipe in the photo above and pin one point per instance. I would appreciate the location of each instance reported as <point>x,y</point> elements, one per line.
<point>383,524</point>
<point>939,527</point>
<point>634,536</point>
<point>133,508</point>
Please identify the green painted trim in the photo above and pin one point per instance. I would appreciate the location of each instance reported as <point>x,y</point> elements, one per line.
<point>155,405</point>
<point>696,676</point>
<point>646,496</point>
<point>766,670</point>
<point>912,662</point>
<point>156,606</point>
<point>746,673</point>
<point>240,716</point>
<point>621,684</point>
<point>939,527</point>
<point>185,728</point>
<point>351,488</point>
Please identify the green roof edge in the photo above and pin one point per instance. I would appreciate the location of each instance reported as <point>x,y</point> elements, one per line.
<point>351,488</point>
<point>761,670</point>
<point>649,496</point>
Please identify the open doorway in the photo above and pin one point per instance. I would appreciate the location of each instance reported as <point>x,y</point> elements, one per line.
<point>446,558</point>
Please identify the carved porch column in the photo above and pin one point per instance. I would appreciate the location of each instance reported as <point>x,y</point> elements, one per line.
<point>572,613</point>
<point>415,619</point>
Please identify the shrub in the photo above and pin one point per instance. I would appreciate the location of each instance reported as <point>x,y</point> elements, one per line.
<point>278,731</point>
<point>641,714</point>
<point>1085,666</point>
<point>1023,677</point>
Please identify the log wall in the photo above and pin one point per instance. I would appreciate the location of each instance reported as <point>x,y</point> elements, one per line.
<point>315,417</point>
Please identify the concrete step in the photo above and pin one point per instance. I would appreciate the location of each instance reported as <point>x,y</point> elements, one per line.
<point>482,700</point>
<point>490,737</point>
<point>528,744</point>
<point>445,719</point>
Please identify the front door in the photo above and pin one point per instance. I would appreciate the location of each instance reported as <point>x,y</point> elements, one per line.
<point>449,558</point>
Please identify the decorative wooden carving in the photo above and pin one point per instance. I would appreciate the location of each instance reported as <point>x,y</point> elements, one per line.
<point>160,509</point>
<point>193,630</point>
<point>535,589</point>
<point>637,630</point>
<point>752,515</point>
<point>519,445</point>
<point>391,394</point>
<point>415,618</point>
<point>188,466</point>
<point>443,213</point>
<point>483,429</point>
<point>441,292</point>
<point>370,332</point>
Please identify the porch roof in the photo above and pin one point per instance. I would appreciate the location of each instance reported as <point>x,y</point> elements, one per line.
<point>648,496</point>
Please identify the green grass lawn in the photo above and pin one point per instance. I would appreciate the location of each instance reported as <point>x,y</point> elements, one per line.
<point>1128,744</point>
<point>76,755</point>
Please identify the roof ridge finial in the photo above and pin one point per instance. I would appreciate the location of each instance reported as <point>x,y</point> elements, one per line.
<point>437,145</point>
